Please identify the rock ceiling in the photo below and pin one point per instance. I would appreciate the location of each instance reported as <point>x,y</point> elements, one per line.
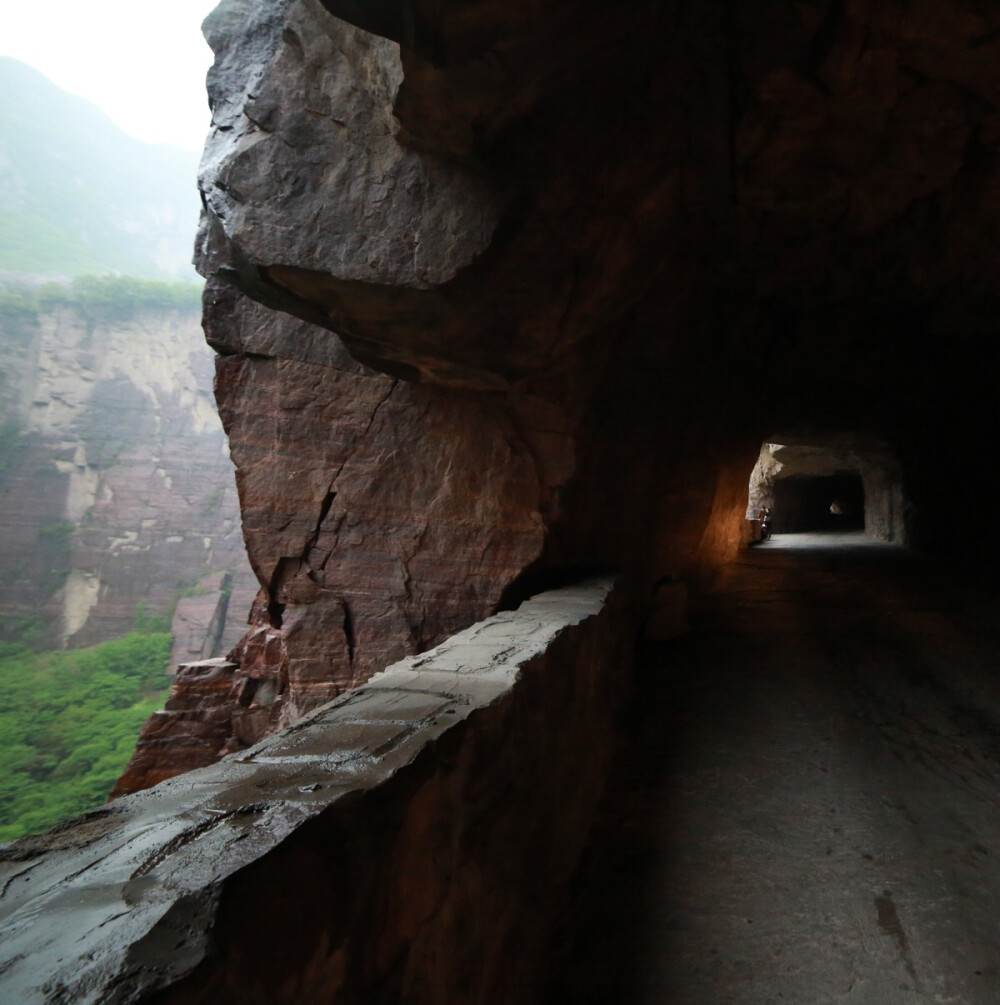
<point>521,175</point>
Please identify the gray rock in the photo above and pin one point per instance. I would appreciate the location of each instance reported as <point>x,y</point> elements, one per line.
<point>303,168</point>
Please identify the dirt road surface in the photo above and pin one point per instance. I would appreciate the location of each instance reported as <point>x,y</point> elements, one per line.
<point>806,805</point>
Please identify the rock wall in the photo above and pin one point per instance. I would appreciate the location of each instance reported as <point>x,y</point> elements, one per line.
<point>382,516</point>
<point>505,293</point>
<point>117,490</point>
<point>584,260</point>
<point>434,814</point>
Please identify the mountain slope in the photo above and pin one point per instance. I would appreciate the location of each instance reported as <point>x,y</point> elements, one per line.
<point>77,195</point>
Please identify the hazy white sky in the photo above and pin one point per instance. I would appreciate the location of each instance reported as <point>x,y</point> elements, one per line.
<point>142,62</point>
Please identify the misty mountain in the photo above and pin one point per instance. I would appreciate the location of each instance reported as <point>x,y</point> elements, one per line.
<point>78,195</point>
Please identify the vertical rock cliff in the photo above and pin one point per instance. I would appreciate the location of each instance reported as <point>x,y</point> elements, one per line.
<point>117,490</point>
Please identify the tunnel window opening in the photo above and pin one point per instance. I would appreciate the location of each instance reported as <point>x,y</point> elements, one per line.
<point>806,504</point>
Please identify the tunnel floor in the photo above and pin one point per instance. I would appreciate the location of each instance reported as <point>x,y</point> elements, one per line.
<point>806,803</point>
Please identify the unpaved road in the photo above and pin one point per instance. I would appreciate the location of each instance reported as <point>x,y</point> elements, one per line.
<point>807,805</point>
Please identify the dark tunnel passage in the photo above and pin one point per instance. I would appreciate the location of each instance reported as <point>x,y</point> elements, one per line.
<point>821,502</point>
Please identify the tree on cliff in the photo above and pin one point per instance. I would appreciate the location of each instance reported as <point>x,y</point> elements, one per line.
<point>68,723</point>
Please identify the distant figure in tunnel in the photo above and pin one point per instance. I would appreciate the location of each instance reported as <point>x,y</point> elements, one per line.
<point>836,508</point>
<point>765,523</point>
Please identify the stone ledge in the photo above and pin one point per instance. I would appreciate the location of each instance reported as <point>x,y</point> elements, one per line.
<point>129,893</point>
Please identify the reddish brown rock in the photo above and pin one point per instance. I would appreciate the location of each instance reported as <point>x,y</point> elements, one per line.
<point>192,729</point>
<point>589,258</point>
<point>381,515</point>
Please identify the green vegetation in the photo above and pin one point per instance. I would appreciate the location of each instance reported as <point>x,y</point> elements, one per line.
<point>118,298</point>
<point>18,305</point>
<point>68,724</point>
<point>107,299</point>
<point>19,632</point>
<point>56,533</point>
<point>98,298</point>
<point>151,622</point>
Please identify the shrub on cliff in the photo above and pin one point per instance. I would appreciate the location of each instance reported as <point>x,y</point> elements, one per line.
<point>68,724</point>
<point>119,298</point>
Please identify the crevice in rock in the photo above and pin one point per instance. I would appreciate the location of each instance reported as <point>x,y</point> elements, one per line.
<point>248,691</point>
<point>314,536</point>
<point>275,612</point>
<point>325,509</point>
<point>349,631</point>
<point>378,406</point>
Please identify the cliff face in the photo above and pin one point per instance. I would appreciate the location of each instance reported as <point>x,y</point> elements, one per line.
<point>118,493</point>
<point>363,518</point>
<point>591,257</point>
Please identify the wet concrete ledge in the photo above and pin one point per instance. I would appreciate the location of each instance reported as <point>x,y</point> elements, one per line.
<point>408,841</point>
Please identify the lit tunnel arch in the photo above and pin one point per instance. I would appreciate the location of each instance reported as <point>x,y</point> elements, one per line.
<point>835,458</point>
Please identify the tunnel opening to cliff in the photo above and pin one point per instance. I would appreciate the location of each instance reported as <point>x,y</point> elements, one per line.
<point>522,300</point>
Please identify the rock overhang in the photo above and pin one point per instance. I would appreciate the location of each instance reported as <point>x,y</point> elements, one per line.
<point>602,252</point>
<point>612,156</point>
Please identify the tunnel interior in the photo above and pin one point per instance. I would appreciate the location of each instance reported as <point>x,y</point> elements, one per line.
<point>522,291</point>
<point>558,278</point>
<point>805,503</point>
<point>847,481</point>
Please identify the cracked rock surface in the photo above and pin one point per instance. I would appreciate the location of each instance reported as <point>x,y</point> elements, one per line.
<point>606,252</point>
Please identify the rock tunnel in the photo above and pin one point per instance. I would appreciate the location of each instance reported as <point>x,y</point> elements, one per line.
<point>507,298</point>
<point>837,482</point>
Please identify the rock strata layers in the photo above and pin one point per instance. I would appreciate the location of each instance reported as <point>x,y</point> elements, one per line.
<point>117,490</point>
